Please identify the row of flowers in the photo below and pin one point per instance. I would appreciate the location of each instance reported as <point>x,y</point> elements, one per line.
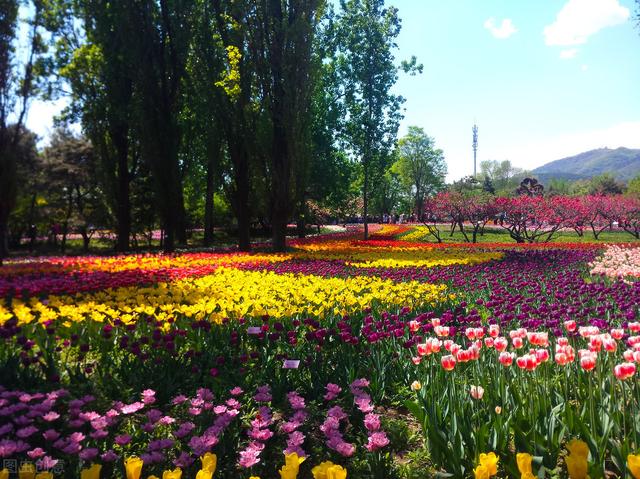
<point>228,293</point>
<point>51,429</point>
<point>576,461</point>
<point>618,262</point>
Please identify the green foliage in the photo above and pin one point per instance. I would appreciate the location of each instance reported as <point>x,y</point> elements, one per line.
<point>183,102</point>
<point>20,78</point>
<point>605,184</point>
<point>633,187</point>
<point>420,166</point>
<point>504,177</point>
<point>365,38</point>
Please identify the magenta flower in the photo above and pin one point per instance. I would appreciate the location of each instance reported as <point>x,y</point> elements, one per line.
<point>123,439</point>
<point>131,408</point>
<point>26,432</point>
<point>109,456</point>
<point>179,399</point>
<point>377,440</point>
<point>332,391</point>
<point>88,454</point>
<point>51,416</point>
<point>372,422</point>
<point>46,463</point>
<point>50,435</point>
<point>148,396</point>
<point>36,453</point>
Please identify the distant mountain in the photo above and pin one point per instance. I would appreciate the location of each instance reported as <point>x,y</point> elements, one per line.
<point>622,163</point>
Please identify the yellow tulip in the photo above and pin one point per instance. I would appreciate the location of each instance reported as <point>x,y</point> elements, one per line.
<point>27,471</point>
<point>578,448</point>
<point>133,467</point>
<point>490,461</point>
<point>524,461</point>
<point>175,474</point>
<point>336,472</point>
<point>254,477</point>
<point>153,477</point>
<point>633,461</point>
<point>204,474</point>
<point>320,471</point>
<point>481,472</point>
<point>577,466</point>
<point>44,475</point>
<point>92,472</point>
<point>4,474</point>
<point>292,466</point>
<point>329,470</point>
<point>209,463</point>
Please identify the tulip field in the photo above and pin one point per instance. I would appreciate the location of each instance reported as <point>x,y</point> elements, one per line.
<point>387,358</point>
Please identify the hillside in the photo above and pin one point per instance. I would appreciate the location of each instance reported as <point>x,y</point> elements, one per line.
<point>623,163</point>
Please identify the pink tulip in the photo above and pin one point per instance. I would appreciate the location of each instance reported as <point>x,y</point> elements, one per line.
<point>448,362</point>
<point>624,371</point>
<point>506,359</point>
<point>500,343</point>
<point>476,392</point>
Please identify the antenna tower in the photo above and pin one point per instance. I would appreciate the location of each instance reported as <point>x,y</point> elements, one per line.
<point>475,147</point>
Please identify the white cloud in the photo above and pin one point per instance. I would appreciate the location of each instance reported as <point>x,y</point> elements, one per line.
<point>569,53</point>
<point>505,30</point>
<point>579,19</point>
<point>584,68</point>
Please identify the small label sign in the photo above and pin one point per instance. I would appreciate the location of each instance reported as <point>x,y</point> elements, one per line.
<point>291,364</point>
<point>254,330</point>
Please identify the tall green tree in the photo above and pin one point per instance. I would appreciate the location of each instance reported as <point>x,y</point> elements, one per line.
<point>18,83</point>
<point>503,175</point>
<point>160,38</point>
<point>282,35</point>
<point>70,166</point>
<point>203,115</point>
<point>420,166</point>
<point>366,35</point>
<point>238,109</point>
<point>31,181</point>
<point>633,187</point>
<point>92,39</point>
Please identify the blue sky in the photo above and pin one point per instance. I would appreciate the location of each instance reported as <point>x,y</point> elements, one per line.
<point>543,79</point>
<point>535,96</point>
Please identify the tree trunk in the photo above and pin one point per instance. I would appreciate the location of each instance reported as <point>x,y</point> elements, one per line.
<point>86,239</point>
<point>280,185</point>
<point>181,218</point>
<point>214,156</point>
<point>242,201</point>
<point>123,207</point>
<point>32,229</point>
<point>4,251</point>
<point>65,227</point>
<point>208,210</point>
<point>365,203</point>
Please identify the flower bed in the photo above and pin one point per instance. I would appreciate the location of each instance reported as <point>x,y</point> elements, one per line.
<point>493,360</point>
